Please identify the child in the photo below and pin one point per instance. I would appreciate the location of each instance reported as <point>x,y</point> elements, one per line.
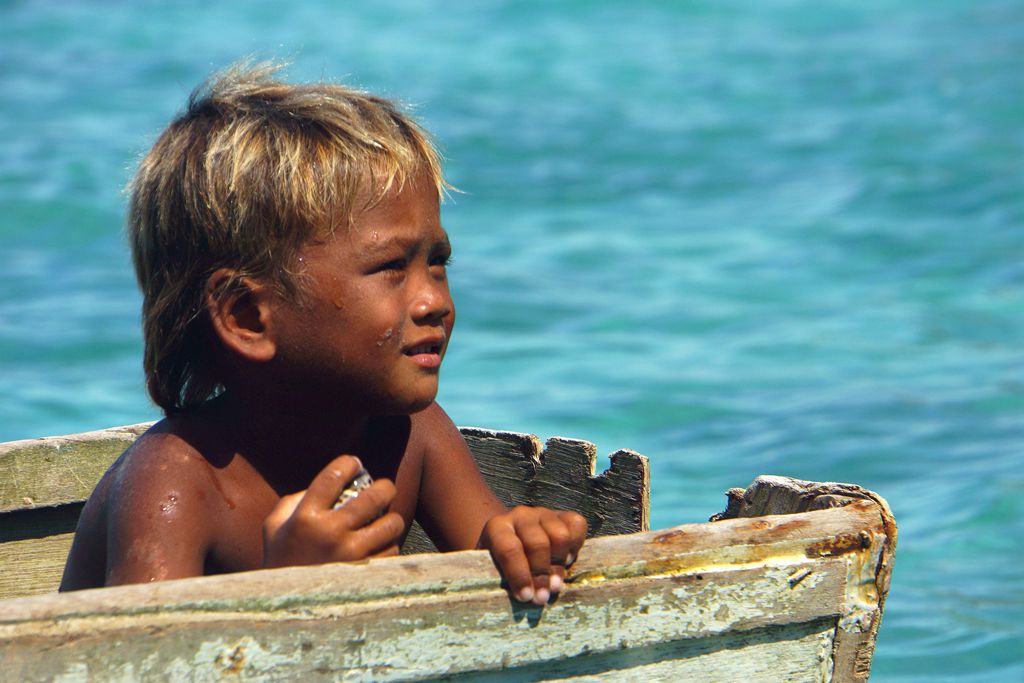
<point>288,243</point>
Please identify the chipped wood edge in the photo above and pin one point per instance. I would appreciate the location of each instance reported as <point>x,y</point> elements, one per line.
<point>122,432</point>
<point>628,475</point>
<point>626,459</point>
<point>869,574</point>
<point>627,479</point>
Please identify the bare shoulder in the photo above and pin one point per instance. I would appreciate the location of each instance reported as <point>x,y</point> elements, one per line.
<point>401,448</point>
<point>164,466</point>
<point>433,429</point>
<point>145,510</point>
<point>436,442</point>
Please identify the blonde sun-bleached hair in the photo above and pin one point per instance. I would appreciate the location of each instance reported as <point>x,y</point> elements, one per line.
<point>253,169</point>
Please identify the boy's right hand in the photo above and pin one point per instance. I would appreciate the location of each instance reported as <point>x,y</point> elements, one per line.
<point>304,528</point>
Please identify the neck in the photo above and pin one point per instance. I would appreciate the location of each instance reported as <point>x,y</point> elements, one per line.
<point>289,441</point>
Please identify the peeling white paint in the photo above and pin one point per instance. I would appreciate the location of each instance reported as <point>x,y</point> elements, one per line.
<point>678,602</point>
<point>862,591</point>
<point>76,672</point>
<point>827,664</point>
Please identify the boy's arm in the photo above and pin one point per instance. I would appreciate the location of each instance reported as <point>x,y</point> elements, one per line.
<point>531,546</point>
<point>454,500</point>
<point>158,526</point>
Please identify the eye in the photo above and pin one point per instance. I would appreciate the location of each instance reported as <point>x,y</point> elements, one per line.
<point>394,265</point>
<point>444,260</point>
<point>441,254</point>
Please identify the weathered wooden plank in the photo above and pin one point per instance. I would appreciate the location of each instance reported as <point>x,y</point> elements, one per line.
<point>33,547</point>
<point>774,495</point>
<point>433,635</point>
<point>868,580</point>
<point>57,470</point>
<point>732,544</point>
<point>804,592</point>
<point>560,475</point>
<point>410,618</point>
<point>793,652</point>
<point>33,566</point>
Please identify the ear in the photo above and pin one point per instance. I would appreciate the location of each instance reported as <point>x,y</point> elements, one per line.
<point>240,313</point>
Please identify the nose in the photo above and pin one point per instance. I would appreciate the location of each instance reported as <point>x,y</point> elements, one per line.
<point>432,303</point>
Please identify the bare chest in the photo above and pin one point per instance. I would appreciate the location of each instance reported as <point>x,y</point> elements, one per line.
<point>241,501</point>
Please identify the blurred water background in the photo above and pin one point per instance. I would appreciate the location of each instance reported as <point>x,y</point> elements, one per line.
<point>739,236</point>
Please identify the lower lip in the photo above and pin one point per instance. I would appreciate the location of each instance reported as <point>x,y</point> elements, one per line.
<point>427,360</point>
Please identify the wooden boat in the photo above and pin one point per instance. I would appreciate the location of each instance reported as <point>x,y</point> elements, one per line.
<point>788,584</point>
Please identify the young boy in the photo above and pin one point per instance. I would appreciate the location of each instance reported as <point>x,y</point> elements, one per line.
<point>288,243</point>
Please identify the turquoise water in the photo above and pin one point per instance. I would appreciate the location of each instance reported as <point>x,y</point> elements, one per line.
<point>741,237</point>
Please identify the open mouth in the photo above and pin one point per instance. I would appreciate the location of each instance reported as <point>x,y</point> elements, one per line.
<point>427,355</point>
<point>431,348</point>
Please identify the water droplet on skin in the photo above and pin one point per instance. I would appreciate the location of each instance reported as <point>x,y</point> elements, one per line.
<point>170,504</point>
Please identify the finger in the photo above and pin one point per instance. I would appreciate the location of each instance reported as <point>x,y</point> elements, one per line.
<point>371,503</point>
<point>390,551</point>
<point>557,579</point>
<point>324,489</point>
<point>537,549</point>
<point>559,537</point>
<point>577,525</point>
<point>507,552</point>
<point>376,538</point>
<point>282,511</point>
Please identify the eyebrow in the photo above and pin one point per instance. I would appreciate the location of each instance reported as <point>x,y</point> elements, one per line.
<point>389,243</point>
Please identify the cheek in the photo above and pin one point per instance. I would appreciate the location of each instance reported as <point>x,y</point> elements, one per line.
<point>387,337</point>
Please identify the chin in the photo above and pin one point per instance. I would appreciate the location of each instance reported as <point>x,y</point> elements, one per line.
<point>406,405</point>
<point>417,406</point>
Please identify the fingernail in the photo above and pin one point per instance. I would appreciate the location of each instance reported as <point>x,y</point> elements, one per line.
<point>542,596</point>
<point>569,559</point>
<point>525,595</point>
<point>555,582</point>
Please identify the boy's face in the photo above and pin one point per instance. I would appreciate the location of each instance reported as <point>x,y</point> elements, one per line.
<point>378,313</point>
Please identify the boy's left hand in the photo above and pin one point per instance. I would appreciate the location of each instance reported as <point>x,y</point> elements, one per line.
<point>532,547</point>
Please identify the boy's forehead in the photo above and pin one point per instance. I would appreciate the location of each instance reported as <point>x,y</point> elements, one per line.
<point>414,207</point>
<point>401,213</point>
<point>382,236</point>
<point>383,232</point>
<point>379,193</point>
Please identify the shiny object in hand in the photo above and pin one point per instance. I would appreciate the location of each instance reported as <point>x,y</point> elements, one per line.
<point>361,481</point>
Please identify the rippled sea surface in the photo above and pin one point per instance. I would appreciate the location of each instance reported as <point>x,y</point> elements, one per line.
<point>741,237</point>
